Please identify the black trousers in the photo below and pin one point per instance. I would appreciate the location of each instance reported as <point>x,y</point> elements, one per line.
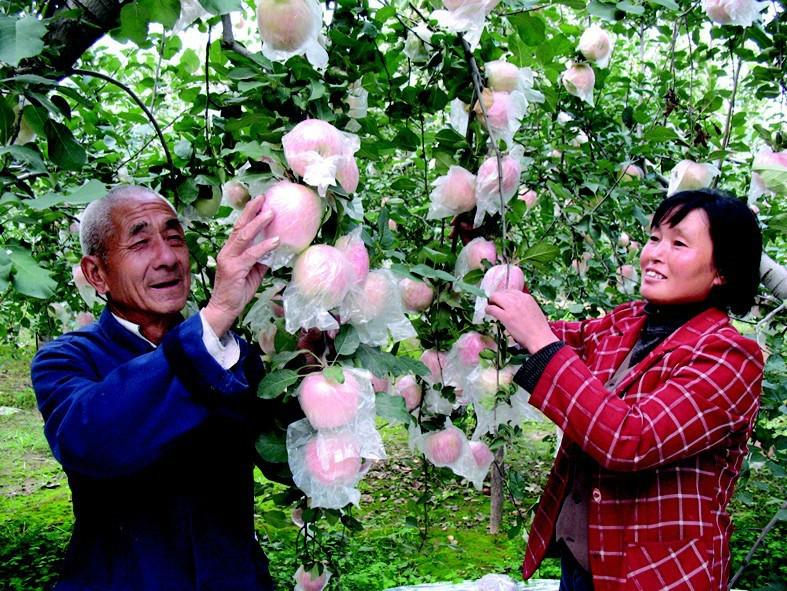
<point>572,576</point>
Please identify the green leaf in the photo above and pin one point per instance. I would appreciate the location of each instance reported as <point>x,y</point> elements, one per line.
<point>29,278</point>
<point>6,265</point>
<point>774,177</point>
<point>530,28</point>
<point>272,447</point>
<point>430,273</point>
<point>660,134</point>
<point>7,119</point>
<point>626,6</point>
<point>405,184</point>
<point>471,289</point>
<point>282,359</point>
<point>540,253</point>
<point>189,61</point>
<point>221,6</point>
<point>347,341</point>
<point>317,90</point>
<point>254,150</point>
<point>20,38</point>
<point>87,193</point>
<point>275,518</point>
<point>334,373</point>
<point>276,382</point>
<point>134,20</point>
<point>602,10</point>
<point>406,140</point>
<point>381,363</point>
<point>391,407</point>
<point>63,149</point>
<point>165,12</point>
<point>669,4</point>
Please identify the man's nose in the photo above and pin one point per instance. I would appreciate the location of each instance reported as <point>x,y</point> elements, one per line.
<point>165,253</point>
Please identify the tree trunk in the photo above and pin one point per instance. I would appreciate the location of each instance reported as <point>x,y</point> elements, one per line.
<point>68,38</point>
<point>496,502</point>
<point>773,277</point>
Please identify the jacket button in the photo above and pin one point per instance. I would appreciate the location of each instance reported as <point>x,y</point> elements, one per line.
<point>596,495</point>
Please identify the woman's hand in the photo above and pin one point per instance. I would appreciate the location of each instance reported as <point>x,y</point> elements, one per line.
<point>238,274</point>
<point>522,318</point>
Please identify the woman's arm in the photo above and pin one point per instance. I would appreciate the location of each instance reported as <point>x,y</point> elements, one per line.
<point>712,393</point>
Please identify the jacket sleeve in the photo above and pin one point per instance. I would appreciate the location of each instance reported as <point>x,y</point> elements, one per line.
<point>106,422</point>
<point>572,333</point>
<point>705,399</point>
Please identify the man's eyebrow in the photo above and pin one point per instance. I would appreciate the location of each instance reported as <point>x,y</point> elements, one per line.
<point>137,228</point>
<point>173,224</point>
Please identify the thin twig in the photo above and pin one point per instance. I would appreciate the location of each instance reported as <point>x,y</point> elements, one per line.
<point>524,10</point>
<point>759,328</point>
<point>730,111</point>
<point>476,76</point>
<point>423,155</point>
<point>140,104</point>
<point>152,138</point>
<point>158,72</point>
<point>771,524</point>
<point>207,94</point>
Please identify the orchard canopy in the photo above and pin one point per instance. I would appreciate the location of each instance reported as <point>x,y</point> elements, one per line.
<point>450,146</point>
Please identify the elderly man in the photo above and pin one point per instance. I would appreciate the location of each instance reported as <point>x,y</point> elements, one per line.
<point>150,414</point>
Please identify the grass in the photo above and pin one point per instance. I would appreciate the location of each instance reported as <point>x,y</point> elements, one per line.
<point>36,519</point>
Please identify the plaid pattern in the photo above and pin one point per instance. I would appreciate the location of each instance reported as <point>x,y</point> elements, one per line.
<point>667,447</point>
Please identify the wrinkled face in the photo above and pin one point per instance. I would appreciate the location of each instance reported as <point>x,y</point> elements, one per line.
<point>146,270</point>
<point>677,263</point>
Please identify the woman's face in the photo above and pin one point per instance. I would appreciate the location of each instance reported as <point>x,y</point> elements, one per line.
<point>677,263</point>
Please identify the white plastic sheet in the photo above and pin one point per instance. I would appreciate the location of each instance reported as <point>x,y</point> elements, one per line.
<point>291,27</point>
<point>453,193</point>
<point>463,357</point>
<point>465,16</point>
<point>321,279</point>
<point>490,180</point>
<point>449,448</point>
<point>375,309</point>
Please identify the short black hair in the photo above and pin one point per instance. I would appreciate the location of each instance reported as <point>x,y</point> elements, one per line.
<point>736,238</point>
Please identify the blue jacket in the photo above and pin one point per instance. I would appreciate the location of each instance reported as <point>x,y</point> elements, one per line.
<point>157,444</point>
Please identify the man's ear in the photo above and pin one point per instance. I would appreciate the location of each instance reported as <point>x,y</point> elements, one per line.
<point>93,268</point>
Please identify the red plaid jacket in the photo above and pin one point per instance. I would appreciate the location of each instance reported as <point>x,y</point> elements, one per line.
<point>667,447</point>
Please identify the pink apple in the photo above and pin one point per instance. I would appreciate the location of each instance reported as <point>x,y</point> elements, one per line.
<point>407,387</point>
<point>416,295</point>
<point>333,459</point>
<point>443,448</point>
<point>328,404</point>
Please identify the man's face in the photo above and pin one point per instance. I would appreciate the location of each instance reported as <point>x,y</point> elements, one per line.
<point>146,268</point>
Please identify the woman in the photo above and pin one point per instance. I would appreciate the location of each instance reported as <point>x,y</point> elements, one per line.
<point>657,400</point>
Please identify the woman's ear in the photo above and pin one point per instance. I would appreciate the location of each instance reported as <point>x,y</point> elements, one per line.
<point>93,269</point>
<point>719,280</point>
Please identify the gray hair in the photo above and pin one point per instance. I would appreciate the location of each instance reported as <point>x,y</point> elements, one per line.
<point>95,225</point>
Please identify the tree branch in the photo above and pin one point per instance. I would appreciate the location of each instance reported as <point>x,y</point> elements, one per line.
<point>228,39</point>
<point>773,277</point>
<point>730,112</point>
<point>771,524</point>
<point>476,76</point>
<point>140,104</point>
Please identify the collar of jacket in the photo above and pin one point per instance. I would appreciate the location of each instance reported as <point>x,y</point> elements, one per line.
<point>117,333</point>
<point>629,326</point>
